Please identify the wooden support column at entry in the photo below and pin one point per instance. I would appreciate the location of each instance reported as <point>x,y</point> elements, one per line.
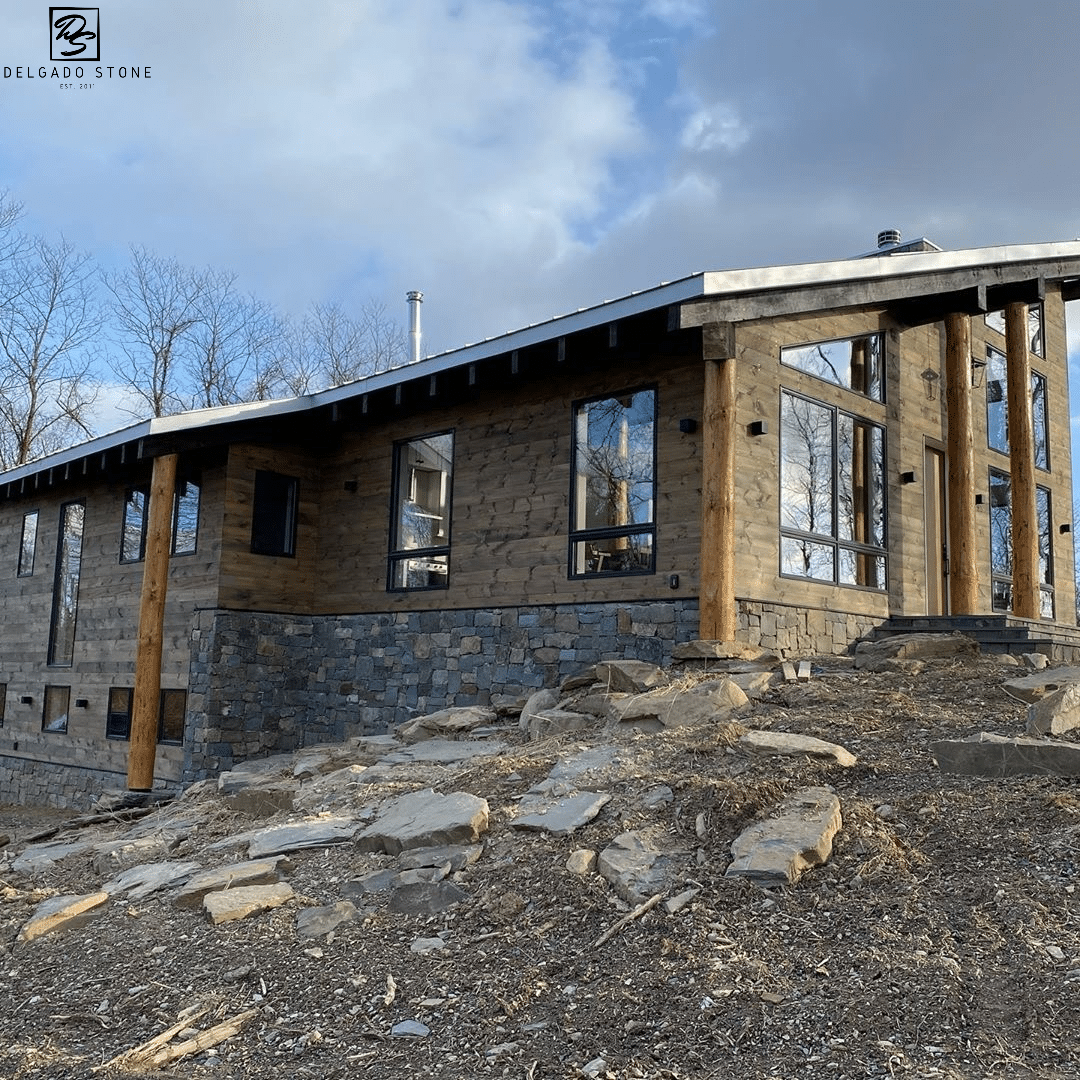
<point>717,617</point>
<point>1025,523</point>
<point>963,561</point>
<point>147,694</point>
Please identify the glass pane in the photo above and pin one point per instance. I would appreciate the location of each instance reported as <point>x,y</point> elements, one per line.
<point>430,572</point>
<point>28,545</point>
<point>118,717</point>
<point>173,708</point>
<point>996,321</point>
<point>54,718</point>
<point>424,476</point>
<point>1000,524</point>
<point>1046,554</point>
<point>1038,417</point>
<point>1035,329</point>
<point>997,402</point>
<point>614,466</point>
<point>1002,595</point>
<point>802,558</point>
<point>860,568</point>
<point>1046,603</point>
<point>806,466</point>
<point>66,586</point>
<point>186,518</point>
<point>855,363</point>
<point>860,452</point>
<point>632,554</point>
<point>273,517</point>
<point>133,539</point>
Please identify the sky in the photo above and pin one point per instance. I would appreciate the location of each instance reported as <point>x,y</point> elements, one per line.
<point>518,159</point>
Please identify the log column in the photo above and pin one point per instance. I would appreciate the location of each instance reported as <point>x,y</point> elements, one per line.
<point>963,562</point>
<point>1025,522</point>
<point>147,694</point>
<point>717,600</point>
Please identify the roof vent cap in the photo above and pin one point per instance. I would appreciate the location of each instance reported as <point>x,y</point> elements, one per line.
<point>888,237</point>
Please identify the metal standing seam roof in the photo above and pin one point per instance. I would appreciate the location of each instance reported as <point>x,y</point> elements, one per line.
<point>702,285</point>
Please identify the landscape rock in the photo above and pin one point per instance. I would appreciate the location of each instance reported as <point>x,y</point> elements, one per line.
<point>427,945</point>
<point>455,856</point>
<point>263,800</point>
<point>883,655</point>
<point>378,881</point>
<point>719,650</point>
<point>231,875</point>
<point>426,898</point>
<point>581,862</point>
<point>704,703</point>
<point>425,819</point>
<point>1034,687</point>
<point>550,722</point>
<point>335,787</point>
<point>140,881</point>
<point>635,867</point>
<point>446,722</point>
<point>630,676</point>
<point>991,755</point>
<point>562,816</point>
<point>779,850</point>
<point>245,900</point>
<point>38,857</point>
<point>318,921</point>
<point>410,1029</point>
<point>61,913</point>
<point>537,703</point>
<point>1056,713</point>
<point>786,743</point>
<point>444,752</point>
<point>316,832</point>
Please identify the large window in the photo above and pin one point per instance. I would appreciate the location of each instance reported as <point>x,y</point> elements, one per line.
<point>28,543</point>
<point>273,515</point>
<point>856,363</point>
<point>66,585</point>
<point>832,495</point>
<point>420,528</point>
<point>1001,553</point>
<point>172,708</point>
<point>997,408</point>
<point>613,517</point>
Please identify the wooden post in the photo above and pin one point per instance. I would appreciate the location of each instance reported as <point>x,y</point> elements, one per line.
<point>963,560</point>
<point>717,616</point>
<point>144,707</point>
<point>1025,522</point>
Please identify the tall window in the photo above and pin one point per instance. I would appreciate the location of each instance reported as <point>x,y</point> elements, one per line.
<point>54,714</point>
<point>133,536</point>
<point>613,515</point>
<point>273,515</point>
<point>997,408</point>
<point>185,518</point>
<point>832,494</point>
<point>1001,554</point>
<point>420,529</point>
<point>28,543</point>
<point>855,363</point>
<point>66,586</point>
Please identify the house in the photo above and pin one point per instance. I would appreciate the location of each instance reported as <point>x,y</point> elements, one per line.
<point>791,456</point>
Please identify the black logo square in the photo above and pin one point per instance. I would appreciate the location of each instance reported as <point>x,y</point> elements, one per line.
<point>74,33</point>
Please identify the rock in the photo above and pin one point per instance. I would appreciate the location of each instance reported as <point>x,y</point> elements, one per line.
<point>595,766</point>
<point>456,856</point>
<point>254,872</point>
<point>376,882</point>
<point>1036,660</point>
<point>537,703</point>
<point>779,850</point>
<point>661,795</point>
<point>753,683</point>
<point>263,801</point>
<point>509,703</point>
<point>880,655</point>
<point>991,755</point>
<point>1056,713</point>
<point>140,881</point>
<point>316,921</point>
<point>335,787</point>
<point>38,857</point>
<point>563,816</point>
<point>1005,659</point>
<point>557,722</point>
<point>425,819</point>
<point>316,832</point>
<point>446,722</point>
<point>410,1029</point>
<point>706,703</point>
<point>444,752</point>
<point>257,771</point>
<point>579,680</point>
<point>677,903</point>
<point>635,868</point>
<point>232,904</point>
<point>60,913</point>
<point>719,650</point>
<point>581,862</point>
<point>426,898</point>
<point>1034,687</point>
<point>630,676</point>
<point>427,945</point>
<point>788,744</point>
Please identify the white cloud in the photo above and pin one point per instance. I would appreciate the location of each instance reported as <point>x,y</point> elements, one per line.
<point>715,127</point>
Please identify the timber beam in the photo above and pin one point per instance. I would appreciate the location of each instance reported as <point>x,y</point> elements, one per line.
<point>963,558</point>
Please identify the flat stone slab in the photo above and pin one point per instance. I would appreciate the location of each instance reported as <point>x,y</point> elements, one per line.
<point>426,898</point>
<point>444,751</point>
<point>318,921</point>
<point>1034,687</point>
<point>549,722</point>
<point>60,913</point>
<point>454,721</point>
<point>630,676</point>
<point>378,881</point>
<point>635,867</point>
<point>992,755</point>
<point>707,703</point>
<point>140,881</point>
<point>719,650</point>
<point>596,763</point>
<point>246,900</point>
<point>779,850</point>
<point>318,832</point>
<point>882,655</point>
<point>1056,713</point>
<point>38,857</point>
<point>563,816</point>
<point>254,872</point>
<point>787,744</point>
<point>425,819</point>
<point>335,787</point>
<point>456,856</point>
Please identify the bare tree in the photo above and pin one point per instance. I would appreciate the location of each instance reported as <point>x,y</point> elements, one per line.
<point>48,316</point>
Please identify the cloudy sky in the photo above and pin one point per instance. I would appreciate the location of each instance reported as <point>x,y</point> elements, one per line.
<point>516,159</point>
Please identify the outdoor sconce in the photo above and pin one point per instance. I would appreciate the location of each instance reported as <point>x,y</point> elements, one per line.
<point>909,477</point>
<point>977,372</point>
<point>1066,528</point>
<point>351,485</point>
<point>978,500</point>
<point>758,427</point>
<point>82,703</point>
<point>26,699</point>
<point>930,377</point>
<point>688,426</point>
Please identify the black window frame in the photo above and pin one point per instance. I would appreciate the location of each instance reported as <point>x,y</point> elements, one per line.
<point>997,362</point>
<point>1001,554</point>
<point>118,721</point>
<point>129,528</point>
<point>22,569</point>
<point>877,383</point>
<point>63,545</point>
<point>183,488</point>
<point>50,690</point>
<point>275,505</point>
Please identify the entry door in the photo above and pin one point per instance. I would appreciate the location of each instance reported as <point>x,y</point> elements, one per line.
<point>937,560</point>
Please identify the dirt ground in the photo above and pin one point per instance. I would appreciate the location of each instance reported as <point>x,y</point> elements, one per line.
<point>941,939</point>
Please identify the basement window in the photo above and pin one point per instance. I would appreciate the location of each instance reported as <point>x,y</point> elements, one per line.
<point>613,500</point>
<point>856,363</point>
<point>273,515</point>
<point>420,527</point>
<point>118,714</point>
<point>28,544</point>
<point>3,702</point>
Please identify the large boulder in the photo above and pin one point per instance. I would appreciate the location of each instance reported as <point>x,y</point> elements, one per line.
<point>992,755</point>
<point>704,703</point>
<point>425,819</point>
<point>896,653</point>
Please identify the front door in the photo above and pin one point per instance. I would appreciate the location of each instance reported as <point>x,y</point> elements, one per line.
<point>937,551</point>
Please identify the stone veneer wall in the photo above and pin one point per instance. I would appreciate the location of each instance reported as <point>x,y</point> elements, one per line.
<point>29,782</point>
<point>801,631</point>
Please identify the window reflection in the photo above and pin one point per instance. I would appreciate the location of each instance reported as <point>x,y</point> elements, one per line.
<point>854,363</point>
<point>423,470</point>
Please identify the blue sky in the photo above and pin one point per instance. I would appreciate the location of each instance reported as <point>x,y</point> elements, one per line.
<point>516,159</point>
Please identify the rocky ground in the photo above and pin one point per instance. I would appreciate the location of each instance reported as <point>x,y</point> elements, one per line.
<point>940,937</point>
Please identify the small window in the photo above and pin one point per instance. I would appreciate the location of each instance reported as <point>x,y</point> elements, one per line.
<point>118,717</point>
<point>133,537</point>
<point>171,716</point>
<point>420,540</point>
<point>854,363</point>
<point>3,702</point>
<point>185,518</point>
<point>54,716</point>
<point>612,506</point>
<point>28,544</point>
<point>273,516</point>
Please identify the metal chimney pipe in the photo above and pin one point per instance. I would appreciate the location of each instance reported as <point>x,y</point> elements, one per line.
<point>415,300</point>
